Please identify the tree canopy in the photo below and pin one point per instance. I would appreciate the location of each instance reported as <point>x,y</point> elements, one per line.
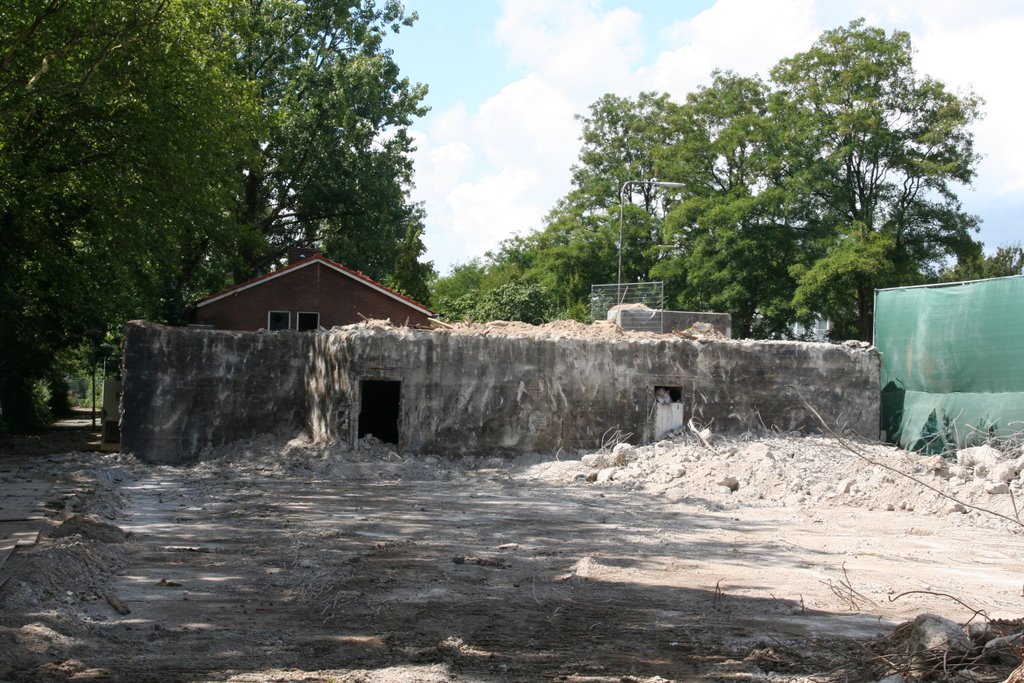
<point>793,198</point>
<point>153,151</point>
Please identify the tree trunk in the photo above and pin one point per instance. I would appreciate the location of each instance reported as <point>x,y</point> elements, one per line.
<point>17,412</point>
<point>865,312</point>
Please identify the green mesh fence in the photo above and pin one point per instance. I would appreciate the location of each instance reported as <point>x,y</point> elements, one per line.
<point>952,362</point>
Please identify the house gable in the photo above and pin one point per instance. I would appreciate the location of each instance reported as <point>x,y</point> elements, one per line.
<point>315,288</point>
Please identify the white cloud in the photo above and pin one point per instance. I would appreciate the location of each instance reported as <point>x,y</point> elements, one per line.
<point>494,207</point>
<point>738,35</point>
<point>528,123</point>
<point>487,171</point>
<point>995,51</point>
<point>571,43</point>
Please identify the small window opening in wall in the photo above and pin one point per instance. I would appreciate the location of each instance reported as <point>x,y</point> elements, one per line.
<point>379,404</point>
<point>308,321</point>
<point>279,320</point>
<point>668,394</point>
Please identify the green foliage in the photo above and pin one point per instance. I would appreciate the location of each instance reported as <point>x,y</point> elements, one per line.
<point>410,276</point>
<point>42,399</point>
<point>328,159</point>
<point>117,122</point>
<point>153,151</point>
<point>874,153</point>
<point>799,197</point>
<point>728,243</point>
<point>517,301</point>
<point>496,288</point>
<point>1006,261</point>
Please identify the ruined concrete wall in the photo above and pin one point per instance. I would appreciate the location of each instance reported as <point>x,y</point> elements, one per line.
<point>476,393</point>
<point>482,393</point>
<point>187,389</point>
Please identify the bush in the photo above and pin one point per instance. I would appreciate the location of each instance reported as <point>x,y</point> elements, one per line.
<point>42,397</point>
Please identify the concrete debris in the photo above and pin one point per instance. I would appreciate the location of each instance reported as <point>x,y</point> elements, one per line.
<point>730,483</point>
<point>1005,650</point>
<point>997,488</point>
<point>979,455</point>
<point>623,454</point>
<point>933,639</point>
<point>481,561</point>
<point>845,486</point>
<point>597,460</point>
<point>605,475</point>
<point>936,465</point>
<point>759,451</point>
<point>1004,471</point>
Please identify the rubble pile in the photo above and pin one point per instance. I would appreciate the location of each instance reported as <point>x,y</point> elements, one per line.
<point>805,472</point>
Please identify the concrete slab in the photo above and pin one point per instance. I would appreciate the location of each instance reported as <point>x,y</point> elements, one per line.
<point>22,513</point>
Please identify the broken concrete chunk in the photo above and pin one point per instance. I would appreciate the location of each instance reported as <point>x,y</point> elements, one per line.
<point>597,460</point>
<point>730,483</point>
<point>979,455</point>
<point>958,507</point>
<point>623,453</point>
<point>605,475</point>
<point>845,486</point>
<point>997,488</point>
<point>1005,650</point>
<point>934,638</point>
<point>936,465</point>
<point>1004,471</point>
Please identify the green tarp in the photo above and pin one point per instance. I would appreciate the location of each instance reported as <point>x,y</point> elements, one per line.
<point>952,362</point>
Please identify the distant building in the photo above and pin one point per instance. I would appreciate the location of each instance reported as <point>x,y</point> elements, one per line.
<point>310,293</point>
<point>818,331</point>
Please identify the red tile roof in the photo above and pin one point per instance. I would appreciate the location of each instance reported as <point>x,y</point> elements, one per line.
<point>316,258</point>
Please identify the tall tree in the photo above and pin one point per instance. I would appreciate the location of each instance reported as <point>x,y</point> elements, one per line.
<point>411,276</point>
<point>118,128</point>
<point>329,161</point>
<point>728,243</point>
<point>874,154</point>
<point>1008,260</point>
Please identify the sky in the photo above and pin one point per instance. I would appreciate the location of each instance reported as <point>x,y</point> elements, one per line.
<point>507,79</point>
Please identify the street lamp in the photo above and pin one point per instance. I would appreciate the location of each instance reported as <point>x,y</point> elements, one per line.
<point>622,204</point>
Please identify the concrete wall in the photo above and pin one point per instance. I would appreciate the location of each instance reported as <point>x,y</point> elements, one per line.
<point>461,393</point>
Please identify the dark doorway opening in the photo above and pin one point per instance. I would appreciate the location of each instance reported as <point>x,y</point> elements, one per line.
<point>379,409</point>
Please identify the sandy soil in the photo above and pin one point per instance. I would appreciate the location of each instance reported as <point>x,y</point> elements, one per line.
<point>775,558</point>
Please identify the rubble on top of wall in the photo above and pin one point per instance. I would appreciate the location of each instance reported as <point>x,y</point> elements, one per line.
<point>556,329</point>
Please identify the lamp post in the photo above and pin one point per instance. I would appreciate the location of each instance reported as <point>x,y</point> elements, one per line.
<point>622,205</point>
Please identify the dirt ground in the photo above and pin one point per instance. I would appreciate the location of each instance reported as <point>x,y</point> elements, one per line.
<point>769,558</point>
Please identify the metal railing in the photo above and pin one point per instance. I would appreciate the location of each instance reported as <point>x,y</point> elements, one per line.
<point>641,304</point>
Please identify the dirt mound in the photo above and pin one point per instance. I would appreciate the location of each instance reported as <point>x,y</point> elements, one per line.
<point>89,527</point>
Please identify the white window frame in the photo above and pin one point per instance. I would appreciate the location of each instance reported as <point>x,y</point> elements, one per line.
<point>272,312</point>
<point>300,313</point>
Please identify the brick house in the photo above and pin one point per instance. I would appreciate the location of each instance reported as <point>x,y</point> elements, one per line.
<point>309,293</point>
